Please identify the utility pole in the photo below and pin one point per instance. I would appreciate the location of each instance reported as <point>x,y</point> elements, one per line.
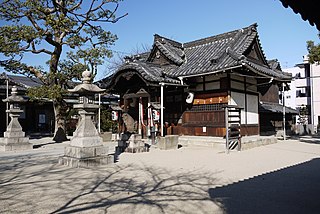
<point>99,114</point>
<point>7,103</point>
<point>284,113</point>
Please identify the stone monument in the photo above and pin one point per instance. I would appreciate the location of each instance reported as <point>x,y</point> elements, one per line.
<point>14,138</point>
<point>86,148</point>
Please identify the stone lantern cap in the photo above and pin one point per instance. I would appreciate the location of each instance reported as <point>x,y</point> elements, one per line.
<point>86,87</point>
<point>14,98</point>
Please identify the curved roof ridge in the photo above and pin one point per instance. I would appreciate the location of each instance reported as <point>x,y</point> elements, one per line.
<point>218,37</point>
<point>231,48</point>
<point>169,53</point>
<point>147,72</point>
<point>157,37</point>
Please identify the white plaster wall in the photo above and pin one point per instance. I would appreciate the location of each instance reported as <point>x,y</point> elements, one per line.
<point>252,111</point>
<point>239,100</point>
<point>252,116</point>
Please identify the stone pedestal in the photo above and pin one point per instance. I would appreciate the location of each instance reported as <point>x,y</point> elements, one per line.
<point>14,138</point>
<point>86,157</point>
<point>86,148</point>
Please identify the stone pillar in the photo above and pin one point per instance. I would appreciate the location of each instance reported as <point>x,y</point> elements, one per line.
<point>14,138</point>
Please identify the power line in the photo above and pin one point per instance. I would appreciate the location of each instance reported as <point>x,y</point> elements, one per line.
<point>298,78</point>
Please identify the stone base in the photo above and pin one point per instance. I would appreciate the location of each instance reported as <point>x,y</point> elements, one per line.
<point>134,144</point>
<point>86,157</point>
<point>15,144</point>
<point>85,152</point>
<point>252,142</point>
<point>137,149</point>
<point>87,141</point>
<point>15,140</point>
<point>86,162</point>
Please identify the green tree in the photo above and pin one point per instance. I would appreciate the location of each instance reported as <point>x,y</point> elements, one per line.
<point>106,123</point>
<point>47,28</point>
<point>314,52</point>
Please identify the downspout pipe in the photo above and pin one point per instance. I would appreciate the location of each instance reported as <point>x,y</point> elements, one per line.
<point>161,108</point>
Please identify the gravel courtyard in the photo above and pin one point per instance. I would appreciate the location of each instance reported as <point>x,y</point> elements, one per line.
<point>277,178</point>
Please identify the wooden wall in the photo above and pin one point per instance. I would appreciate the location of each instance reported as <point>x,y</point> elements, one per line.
<point>217,131</point>
<point>269,94</point>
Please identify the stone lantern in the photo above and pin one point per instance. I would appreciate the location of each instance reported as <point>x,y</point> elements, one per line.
<point>86,148</point>
<point>14,137</point>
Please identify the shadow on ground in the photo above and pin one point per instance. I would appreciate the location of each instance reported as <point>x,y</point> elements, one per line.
<point>33,184</point>
<point>291,190</point>
<point>314,139</point>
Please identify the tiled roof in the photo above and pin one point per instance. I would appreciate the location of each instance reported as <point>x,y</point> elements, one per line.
<point>274,64</point>
<point>223,52</point>
<point>216,53</point>
<point>265,107</point>
<point>25,81</point>
<point>22,82</point>
<point>171,49</point>
<point>149,72</point>
<point>204,56</point>
<point>266,71</point>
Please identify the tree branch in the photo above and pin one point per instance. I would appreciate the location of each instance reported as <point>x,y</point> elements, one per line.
<point>33,22</point>
<point>40,50</point>
<point>76,6</point>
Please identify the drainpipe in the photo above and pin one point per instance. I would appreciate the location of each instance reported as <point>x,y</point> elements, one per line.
<point>139,125</point>
<point>161,108</point>
<point>99,114</point>
<point>312,100</point>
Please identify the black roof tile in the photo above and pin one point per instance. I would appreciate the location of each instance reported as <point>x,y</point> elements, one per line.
<point>267,107</point>
<point>200,57</point>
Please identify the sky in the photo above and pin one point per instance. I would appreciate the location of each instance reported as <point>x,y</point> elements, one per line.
<point>283,34</point>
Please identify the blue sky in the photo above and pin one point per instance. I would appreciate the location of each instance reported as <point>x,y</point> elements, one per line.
<point>283,34</point>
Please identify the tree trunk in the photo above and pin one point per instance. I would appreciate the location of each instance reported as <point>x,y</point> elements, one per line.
<point>60,121</point>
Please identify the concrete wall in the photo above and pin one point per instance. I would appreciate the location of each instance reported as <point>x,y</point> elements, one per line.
<point>168,142</point>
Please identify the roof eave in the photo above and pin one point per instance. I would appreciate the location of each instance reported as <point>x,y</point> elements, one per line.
<point>257,71</point>
<point>210,72</point>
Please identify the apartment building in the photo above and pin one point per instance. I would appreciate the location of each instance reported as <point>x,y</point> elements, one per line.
<point>305,92</point>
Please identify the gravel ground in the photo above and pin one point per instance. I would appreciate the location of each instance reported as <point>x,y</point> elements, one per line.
<point>277,178</point>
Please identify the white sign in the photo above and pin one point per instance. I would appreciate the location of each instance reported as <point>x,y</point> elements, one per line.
<point>204,129</point>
